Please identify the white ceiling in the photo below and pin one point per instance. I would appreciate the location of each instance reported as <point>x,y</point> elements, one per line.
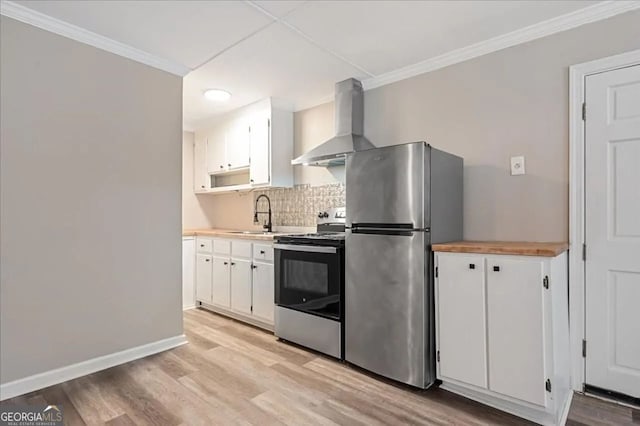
<point>295,50</point>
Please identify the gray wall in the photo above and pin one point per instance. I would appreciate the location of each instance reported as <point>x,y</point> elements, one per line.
<point>511,102</point>
<point>90,202</point>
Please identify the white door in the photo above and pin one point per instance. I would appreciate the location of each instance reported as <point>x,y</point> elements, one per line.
<point>612,221</point>
<point>188,273</point>
<point>263,291</point>
<point>515,309</point>
<point>259,168</point>
<point>238,144</point>
<point>203,277</point>
<point>221,282</point>
<point>241,286</point>
<point>201,180</point>
<point>462,319</point>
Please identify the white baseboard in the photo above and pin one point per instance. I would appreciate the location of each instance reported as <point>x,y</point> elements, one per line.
<point>525,410</point>
<point>59,375</point>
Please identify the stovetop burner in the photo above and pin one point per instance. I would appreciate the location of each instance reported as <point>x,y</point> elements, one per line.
<point>330,230</point>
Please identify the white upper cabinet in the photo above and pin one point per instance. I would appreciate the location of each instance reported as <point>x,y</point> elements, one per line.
<point>260,149</point>
<point>201,180</point>
<point>237,144</point>
<point>216,152</point>
<point>252,147</point>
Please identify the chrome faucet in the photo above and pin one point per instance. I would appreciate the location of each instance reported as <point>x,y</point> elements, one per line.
<point>268,226</point>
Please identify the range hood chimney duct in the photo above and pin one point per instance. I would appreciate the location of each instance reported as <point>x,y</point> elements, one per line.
<point>349,124</point>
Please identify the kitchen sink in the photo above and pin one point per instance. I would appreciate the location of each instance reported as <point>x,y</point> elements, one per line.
<point>251,232</point>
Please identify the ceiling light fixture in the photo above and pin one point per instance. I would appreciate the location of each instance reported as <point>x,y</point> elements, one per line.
<point>217,95</point>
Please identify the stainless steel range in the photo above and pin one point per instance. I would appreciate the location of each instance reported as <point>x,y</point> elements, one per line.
<point>309,282</point>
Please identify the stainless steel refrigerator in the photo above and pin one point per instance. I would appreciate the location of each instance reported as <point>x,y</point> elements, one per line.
<point>400,199</point>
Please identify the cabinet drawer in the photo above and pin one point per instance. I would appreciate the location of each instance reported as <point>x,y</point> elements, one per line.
<point>204,245</point>
<point>222,247</point>
<point>241,249</point>
<point>263,252</point>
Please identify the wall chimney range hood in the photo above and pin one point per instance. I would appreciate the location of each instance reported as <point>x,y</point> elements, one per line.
<point>349,119</point>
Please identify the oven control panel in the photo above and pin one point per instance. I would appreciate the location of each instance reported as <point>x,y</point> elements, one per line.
<point>332,215</point>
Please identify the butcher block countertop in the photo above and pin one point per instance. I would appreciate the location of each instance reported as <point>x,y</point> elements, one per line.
<point>230,233</point>
<point>504,247</point>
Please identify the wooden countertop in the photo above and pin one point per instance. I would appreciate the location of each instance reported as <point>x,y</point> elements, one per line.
<point>231,233</point>
<point>521,248</point>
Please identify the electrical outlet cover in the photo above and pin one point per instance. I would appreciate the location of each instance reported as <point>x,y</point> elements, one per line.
<point>517,165</point>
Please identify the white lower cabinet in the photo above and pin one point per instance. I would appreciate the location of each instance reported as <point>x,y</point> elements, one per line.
<point>502,332</point>
<point>221,282</point>
<point>241,286</point>
<point>203,277</point>
<point>263,291</point>
<point>462,320</point>
<point>235,278</point>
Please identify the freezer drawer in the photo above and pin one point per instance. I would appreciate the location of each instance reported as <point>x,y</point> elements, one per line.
<point>388,301</point>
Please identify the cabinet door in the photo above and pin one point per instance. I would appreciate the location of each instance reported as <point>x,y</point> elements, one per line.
<point>259,168</point>
<point>263,291</point>
<point>201,180</point>
<point>241,285</point>
<point>462,319</point>
<point>188,272</point>
<point>515,328</point>
<point>238,144</point>
<point>221,294</point>
<point>203,277</point>
<point>216,155</point>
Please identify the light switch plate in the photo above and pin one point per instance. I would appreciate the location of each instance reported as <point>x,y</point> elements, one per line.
<point>517,165</point>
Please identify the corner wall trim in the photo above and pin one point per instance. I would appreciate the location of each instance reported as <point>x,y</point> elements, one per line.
<point>65,29</point>
<point>59,375</point>
<point>597,12</point>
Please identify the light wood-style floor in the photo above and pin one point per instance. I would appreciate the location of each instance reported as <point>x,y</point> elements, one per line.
<point>231,373</point>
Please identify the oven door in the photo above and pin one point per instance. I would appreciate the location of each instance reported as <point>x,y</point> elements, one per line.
<point>309,279</point>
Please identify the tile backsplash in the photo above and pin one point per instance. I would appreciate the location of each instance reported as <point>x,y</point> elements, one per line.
<point>299,206</point>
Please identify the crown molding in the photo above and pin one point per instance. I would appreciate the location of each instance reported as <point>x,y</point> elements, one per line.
<point>56,26</point>
<point>597,12</point>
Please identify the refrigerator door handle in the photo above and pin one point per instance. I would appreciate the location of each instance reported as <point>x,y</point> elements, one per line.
<point>385,231</point>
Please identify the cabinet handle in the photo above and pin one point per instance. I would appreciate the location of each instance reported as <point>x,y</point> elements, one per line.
<point>207,260</point>
<point>261,251</point>
<point>233,263</point>
<point>201,245</point>
<point>496,269</point>
<point>221,166</point>
<point>254,267</point>
<point>201,186</point>
<point>472,266</point>
<point>251,180</point>
<point>226,263</point>
<point>229,165</point>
